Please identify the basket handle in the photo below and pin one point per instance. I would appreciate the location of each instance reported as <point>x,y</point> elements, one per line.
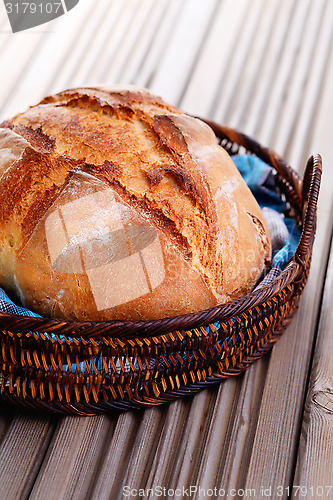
<point>310,194</point>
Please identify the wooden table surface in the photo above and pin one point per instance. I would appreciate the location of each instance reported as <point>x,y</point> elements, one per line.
<point>265,68</point>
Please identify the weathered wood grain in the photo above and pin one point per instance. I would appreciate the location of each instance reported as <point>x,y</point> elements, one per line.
<point>231,88</point>
<point>28,81</point>
<point>304,85</point>
<point>315,455</point>
<point>145,39</point>
<point>242,429</point>
<point>164,30</point>
<point>277,433</point>
<point>125,56</point>
<point>206,85</point>
<point>313,135</point>
<point>164,462</point>
<point>71,463</point>
<point>6,416</point>
<point>189,447</point>
<point>21,454</point>
<point>272,69</point>
<point>182,50</point>
<point>130,448</point>
<point>254,69</point>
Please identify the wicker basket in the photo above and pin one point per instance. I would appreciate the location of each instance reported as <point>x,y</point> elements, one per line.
<point>93,367</point>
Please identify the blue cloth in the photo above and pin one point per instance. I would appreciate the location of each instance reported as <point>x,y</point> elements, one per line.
<point>260,178</point>
<point>8,306</point>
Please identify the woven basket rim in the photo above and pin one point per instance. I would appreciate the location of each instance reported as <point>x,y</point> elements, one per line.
<point>220,312</point>
<point>305,194</point>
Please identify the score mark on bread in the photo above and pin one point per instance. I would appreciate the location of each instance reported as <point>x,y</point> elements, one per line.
<point>122,262</point>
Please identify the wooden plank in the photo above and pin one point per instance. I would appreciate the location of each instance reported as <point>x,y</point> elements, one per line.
<point>252,50</point>
<point>245,35</point>
<point>261,63</point>
<point>182,50</point>
<point>144,41</point>
<point>271,67</point>
<point>46,62</point>
<point>315,456</point>
<point>114,43</point>
<point>163,32</point>
<point>314,463</point>
<point>303,88</point>
<point>86,69</point>
<point>269,120</point>
<point>71,463</point>
<point>6,416</point>
<point>142,451</point>
<point>192,441</point>
<point>226,456</point>
<point>277,433</point>
<point>164,461</point>
<point>314,95</point>
<point>189,447</point>
<point>126,52</point>
<point>21,454</point>
<point>215,59</point>
<point>20,48</point>
<point>132,444</point>
<point>90,20</point>
<point>288,115</point>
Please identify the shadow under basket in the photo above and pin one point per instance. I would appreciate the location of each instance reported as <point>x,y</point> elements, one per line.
<point>92,367</point>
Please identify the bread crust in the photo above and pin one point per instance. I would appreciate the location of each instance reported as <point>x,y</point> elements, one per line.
<point>162,167</point>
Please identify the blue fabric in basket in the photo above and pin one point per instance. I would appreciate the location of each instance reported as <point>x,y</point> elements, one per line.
<point>8,306</point>
<point>283,231</point>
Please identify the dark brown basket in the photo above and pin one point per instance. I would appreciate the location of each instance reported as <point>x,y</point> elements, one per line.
<point>91,367</point>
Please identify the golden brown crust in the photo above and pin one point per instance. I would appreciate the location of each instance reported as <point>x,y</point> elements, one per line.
<point>162,164</point>
<point>74,118</point>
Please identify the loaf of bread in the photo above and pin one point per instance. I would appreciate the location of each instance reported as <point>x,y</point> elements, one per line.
<point>116,205</point>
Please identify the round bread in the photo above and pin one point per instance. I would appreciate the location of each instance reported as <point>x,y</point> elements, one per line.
<point>115,205</point>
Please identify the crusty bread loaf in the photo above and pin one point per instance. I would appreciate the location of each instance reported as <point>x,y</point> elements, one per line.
<point>115,205</point>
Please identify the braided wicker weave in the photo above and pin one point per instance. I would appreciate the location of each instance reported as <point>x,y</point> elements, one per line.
<point>87,368</point>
